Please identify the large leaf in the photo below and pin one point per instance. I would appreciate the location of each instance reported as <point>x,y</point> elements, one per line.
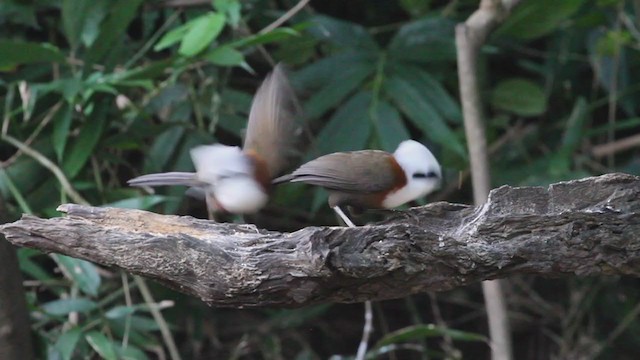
<point>533,19</point>
<point>201,33</point>
<point>83,273</point>
<point>519,96</point>
<point>388,123</point>
<point>61,126</point>
<point>321,72</point>
<point>560,160</point>
<point>431,89</point>
<point>67,342</point>
<point>349,128</point>
<point>427,39</point>
<point>343,33</point>
<point>65,306</point>
<point>113,28</point>
<point>74,14</point>
<point>86,141</point>
<point>421,112</point>
<point>419,332</point>
<point>341,84</point>
<point>225,56</point>
<point>14,53</point>
<point>102,345</point>
<point>275,35</point>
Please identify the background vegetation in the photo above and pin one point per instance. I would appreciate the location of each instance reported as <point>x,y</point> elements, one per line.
<point>94,93</point>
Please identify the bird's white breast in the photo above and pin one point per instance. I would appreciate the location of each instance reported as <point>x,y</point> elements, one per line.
<point>240,195</point>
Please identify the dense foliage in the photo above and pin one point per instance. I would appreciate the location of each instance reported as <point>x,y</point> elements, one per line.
<point>94,93</point>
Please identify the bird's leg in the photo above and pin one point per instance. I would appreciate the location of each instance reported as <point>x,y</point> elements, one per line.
<point>211,207</point>
<point>343,216</point>
<point>368,313</point>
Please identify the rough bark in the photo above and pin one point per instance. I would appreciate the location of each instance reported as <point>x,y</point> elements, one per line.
<point>581,227</point>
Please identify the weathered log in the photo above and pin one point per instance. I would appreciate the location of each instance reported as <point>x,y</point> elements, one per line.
<point>582,227</point>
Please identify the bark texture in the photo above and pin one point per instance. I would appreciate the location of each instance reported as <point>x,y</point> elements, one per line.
<point>581,227</point>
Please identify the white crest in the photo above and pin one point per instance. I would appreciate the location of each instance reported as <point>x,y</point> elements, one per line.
<point>421,169</point>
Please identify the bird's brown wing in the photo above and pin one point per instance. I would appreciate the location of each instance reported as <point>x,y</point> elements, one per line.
<point>356,171</point>
<point>274,122</point>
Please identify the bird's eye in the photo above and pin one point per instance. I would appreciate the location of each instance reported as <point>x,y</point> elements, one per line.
<point>429,175</point>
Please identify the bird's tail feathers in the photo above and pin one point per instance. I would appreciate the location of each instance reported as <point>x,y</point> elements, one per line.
<point>166,179</point>
<point>282,179</point>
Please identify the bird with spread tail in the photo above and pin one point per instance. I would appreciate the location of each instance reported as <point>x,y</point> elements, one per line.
<point>371,179</point>
<point>238,180</point>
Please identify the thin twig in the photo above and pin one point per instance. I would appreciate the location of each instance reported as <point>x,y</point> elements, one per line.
<point>158,317</point>
<point>470,36</point>
<point>617,146</point>
<point>44,161</point>
<point>286,16</point>
<point>366,331</point>
<point>45,120</point>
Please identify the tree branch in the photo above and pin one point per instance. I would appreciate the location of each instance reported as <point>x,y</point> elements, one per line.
<point>582,227</point>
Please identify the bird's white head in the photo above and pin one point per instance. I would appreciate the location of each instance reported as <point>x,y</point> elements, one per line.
<point>229,174</point>
<point>422,172</point>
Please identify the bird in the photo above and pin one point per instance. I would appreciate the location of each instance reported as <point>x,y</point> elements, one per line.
<point>371,179</point>
<point>238,180</point>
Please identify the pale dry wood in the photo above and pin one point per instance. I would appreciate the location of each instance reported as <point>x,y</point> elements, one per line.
<point>582,227</point>
<point>470,37</point>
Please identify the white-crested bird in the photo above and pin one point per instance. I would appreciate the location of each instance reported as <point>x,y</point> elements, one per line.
<point>371,179</point>
<point>236,180</point>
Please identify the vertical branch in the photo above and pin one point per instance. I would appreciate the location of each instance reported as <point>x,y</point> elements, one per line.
<point>15,330</point>
<point>470,36</point>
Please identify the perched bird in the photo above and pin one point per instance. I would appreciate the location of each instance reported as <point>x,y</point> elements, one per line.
<point>371,179</point>
<point>238,180</point>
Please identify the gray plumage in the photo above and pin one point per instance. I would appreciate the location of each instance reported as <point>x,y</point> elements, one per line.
<point>364,171</point>
<point>168,178</point>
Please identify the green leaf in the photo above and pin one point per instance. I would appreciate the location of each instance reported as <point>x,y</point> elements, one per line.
<point>225,56</point>
<point>163,148</point>
<point>231,8</point>
<point>424,40</point>
<point>31,267</point>
<point>201,33</point>
<point>93,18</point>
<point>419,110</point>
<point>120,311</point>
<point>113,28</point>
<point>14,53</point>
<point>67,342</point>
<point>340,85</point>
<point>389,127</point>
<point>419,332</point>
<point>431,89</point>
<point>275,35</point>
<point>520,96</point>
<point>532,19</point>
<point>349,128</point>
<point>343,33</point>
<point>560,160</point>
<point>173,36</point>
<point>61,126</point>
<point>84,144</point>
<point>74,13</point>
<point>131,352</point>
<point>82,272</point>
<point>65,306</point>
<point>102,345</point>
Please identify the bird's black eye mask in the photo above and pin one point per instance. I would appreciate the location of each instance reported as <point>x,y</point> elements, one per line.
<point>429,175</point>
